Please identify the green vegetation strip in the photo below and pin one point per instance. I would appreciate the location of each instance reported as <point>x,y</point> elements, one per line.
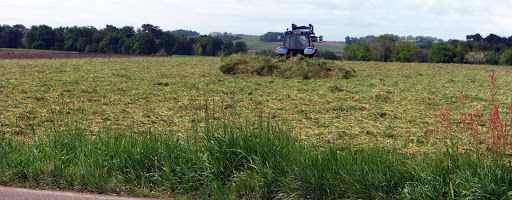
<point>233,162</point>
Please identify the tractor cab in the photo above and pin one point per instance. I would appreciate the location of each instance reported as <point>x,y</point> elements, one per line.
<point>297,41</point>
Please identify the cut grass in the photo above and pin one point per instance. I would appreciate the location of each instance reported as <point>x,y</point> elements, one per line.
<point>296,67</point>
<point>242,162</point>
<point>386,103</point>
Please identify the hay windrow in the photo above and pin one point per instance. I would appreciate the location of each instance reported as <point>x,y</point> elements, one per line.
<point>296,67</point>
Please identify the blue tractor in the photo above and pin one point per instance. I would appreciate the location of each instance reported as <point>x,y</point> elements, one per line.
<point>298,41</point>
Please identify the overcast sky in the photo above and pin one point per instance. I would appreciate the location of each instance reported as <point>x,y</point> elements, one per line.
<point>334,19</point>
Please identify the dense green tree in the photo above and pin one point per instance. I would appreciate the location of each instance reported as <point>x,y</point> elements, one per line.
<point>215,46</point>
<point>476,37</point>
<point>142,43</point>
<point>383,48</point>
<point>240,47</point>
<point>495,39</point>
<point>92,48</point>
<point>348,40</point>
<point>41,37</point>
<point>441,53</point>
<point>127,31</point>
<point>4,36</point>
<point>103,33</point>
<point>184,45</point>
<point>199,49</point>
<point>227,48</point>
<point>420,56</point>
<point>148,40</point>
<point>59,36</point>
<point>498,48</point>
<point>114,40</point>
<point>509,41</point>
<point>491,58</point>
<point>126,47</point>
<point>113,43</point>
<point>168,42</point>
<point>11,37</point>
<point>404,51</point>
<point>77,38</point>
<point>154,31</point>
<point>461,49</point>
<point>207,46</point>
<point>357,52</point>
<point>506,57</point>
<point>201,44</point>
<point>110,29</point>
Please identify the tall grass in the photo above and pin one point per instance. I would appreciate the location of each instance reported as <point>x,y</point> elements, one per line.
<point>242,162</point>
<point>106,162</point>
<point>363,174</point>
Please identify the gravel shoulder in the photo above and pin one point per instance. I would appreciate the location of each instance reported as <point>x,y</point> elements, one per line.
<point>8,193</point>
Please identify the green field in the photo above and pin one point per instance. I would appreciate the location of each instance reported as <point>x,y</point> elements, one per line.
<point>254,42</point>
<point>389,103</point>
<point>178,127</point>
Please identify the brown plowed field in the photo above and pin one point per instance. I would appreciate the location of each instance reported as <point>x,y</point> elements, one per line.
<point>36,54</point>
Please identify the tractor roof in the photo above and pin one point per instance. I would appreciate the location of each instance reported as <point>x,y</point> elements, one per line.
<point>302,29</point>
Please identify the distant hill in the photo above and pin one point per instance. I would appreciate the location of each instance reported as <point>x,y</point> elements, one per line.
<point>255,44</point>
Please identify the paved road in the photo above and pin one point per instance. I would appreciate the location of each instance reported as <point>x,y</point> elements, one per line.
<point>7,193</point>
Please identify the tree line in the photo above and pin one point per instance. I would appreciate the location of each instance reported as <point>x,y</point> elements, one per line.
<point>146,40</point>
<point>476,49</point>
<point>272,37</point>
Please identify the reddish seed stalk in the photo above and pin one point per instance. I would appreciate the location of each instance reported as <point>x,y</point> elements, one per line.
<point>498,133</point>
